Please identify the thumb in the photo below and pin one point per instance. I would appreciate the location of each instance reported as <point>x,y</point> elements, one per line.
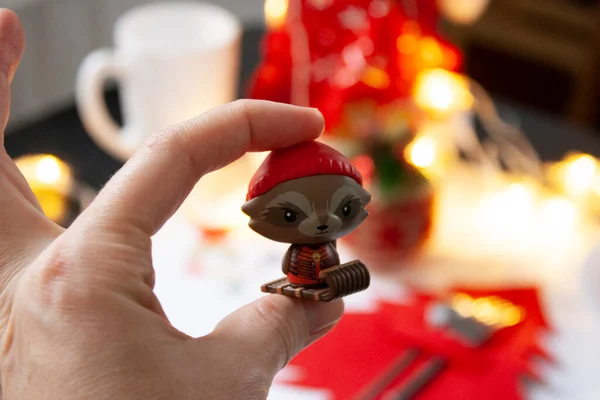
<point>269,332</point>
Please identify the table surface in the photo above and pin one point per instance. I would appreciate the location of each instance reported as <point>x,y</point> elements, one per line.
<point>574,343</point>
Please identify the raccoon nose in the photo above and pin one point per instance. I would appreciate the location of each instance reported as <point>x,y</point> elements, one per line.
<point>322,227</point>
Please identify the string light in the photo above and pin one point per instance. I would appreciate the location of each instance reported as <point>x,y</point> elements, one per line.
<point>276,13</point>
<point>441,92</point>
<point>576,174</point>
<point>421,152</point>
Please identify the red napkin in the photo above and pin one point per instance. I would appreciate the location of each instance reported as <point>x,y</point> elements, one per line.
<point>365,346</point>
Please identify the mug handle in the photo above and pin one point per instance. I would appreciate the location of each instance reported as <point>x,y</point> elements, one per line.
<point>96,68</point>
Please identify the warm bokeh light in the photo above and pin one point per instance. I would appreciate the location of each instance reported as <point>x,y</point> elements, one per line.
<point>54,204</point>
<point>276,13</point>
<point>441,92</point>
<point>463,304</point>
<point>508,211</point>
<point>50,180</point>
<point>375,78</point>
<point>463,11</point>
<point>596,187</point>
<point>421,152</point>
<point>48,170</point>
<point>511,316</point>
<point>432,150</point>
<point>580,174</point>
<point>485,311</point>
<point>407,42</point>
<point>493,310</point>
<point>430,53</point>
<point>520,199</point>
<point>558,213</point>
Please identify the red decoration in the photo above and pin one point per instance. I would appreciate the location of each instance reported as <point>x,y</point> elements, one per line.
<point>401,213</point>
<point>394,230</point>
<point>365,346</point>
<point>330,53</point>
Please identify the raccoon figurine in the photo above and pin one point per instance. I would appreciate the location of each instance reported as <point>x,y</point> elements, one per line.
<point>309,195</point>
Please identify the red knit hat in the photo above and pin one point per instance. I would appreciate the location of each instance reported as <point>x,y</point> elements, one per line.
<point>302,160</point>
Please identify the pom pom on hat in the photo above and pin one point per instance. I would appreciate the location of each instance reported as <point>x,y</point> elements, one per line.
<point>299,161</point>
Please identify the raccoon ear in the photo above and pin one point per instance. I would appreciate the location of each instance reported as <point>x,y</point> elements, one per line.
<point>253,207</point>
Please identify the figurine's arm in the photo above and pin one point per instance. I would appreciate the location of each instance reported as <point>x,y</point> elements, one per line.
<point>286,260</point>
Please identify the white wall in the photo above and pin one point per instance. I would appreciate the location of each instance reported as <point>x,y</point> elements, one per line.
<point>59,35</point>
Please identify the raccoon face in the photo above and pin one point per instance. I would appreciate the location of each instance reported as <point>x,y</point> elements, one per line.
<point>314,209</point>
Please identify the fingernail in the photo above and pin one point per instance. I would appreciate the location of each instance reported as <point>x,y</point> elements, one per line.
<point>322,316</point>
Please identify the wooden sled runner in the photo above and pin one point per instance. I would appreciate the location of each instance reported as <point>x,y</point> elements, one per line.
<point>341,280</point>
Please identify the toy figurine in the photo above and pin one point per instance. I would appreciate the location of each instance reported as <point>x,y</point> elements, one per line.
<point>309,195</point>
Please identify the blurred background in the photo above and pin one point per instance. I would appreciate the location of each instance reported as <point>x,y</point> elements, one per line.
<point>60,33</point>
<point>476,126</point>
<point>542,53</point>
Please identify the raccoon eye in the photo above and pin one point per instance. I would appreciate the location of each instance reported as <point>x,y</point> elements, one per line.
<point>347,209</point>
<point>289,215</point>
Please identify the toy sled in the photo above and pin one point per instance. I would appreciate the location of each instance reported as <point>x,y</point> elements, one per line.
<point>340,281</point>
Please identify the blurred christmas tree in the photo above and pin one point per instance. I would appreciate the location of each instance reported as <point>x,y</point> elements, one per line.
<point>331,54</point>
<point>359,62</point>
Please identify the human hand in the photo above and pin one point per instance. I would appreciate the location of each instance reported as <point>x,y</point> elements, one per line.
<point>78,316</point>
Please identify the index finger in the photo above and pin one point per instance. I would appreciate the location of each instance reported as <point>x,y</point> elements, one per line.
<point>154,183</point>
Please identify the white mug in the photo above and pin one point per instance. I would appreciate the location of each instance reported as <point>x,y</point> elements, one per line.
<point>172,61</point>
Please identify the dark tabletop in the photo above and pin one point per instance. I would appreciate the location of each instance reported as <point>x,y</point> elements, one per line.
<point>62,134</point>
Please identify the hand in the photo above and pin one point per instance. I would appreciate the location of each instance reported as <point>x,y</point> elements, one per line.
<point>78,316</point>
